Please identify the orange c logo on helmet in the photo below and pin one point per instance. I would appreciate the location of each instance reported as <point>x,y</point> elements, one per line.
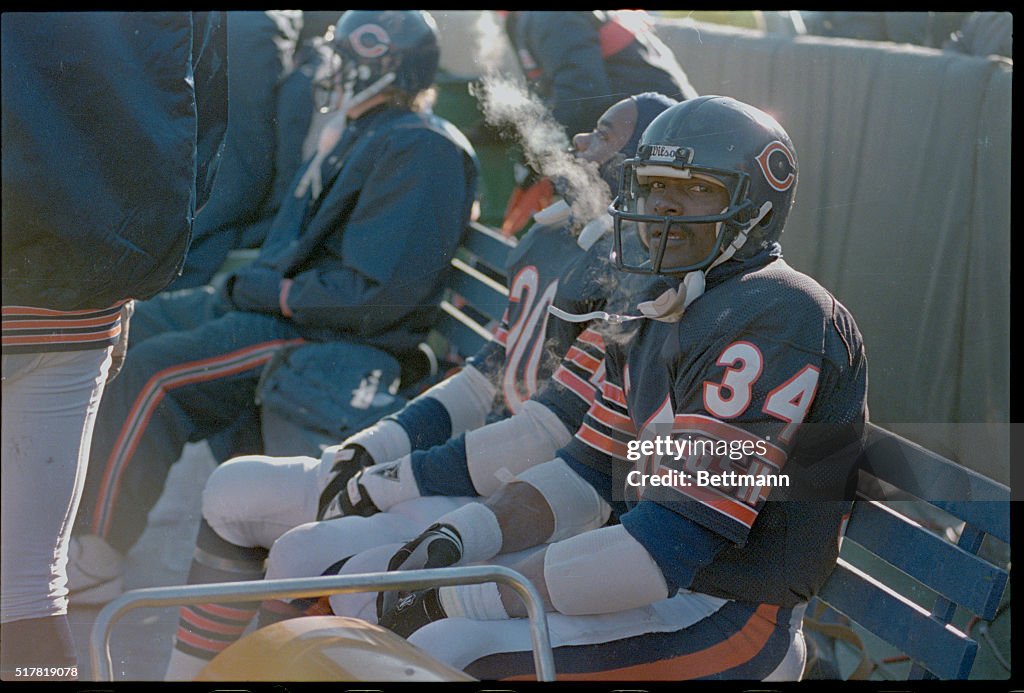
<point>778,165</point>
<point>370,40</point>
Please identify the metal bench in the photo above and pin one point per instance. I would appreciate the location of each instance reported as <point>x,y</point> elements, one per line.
<point>99,640</point>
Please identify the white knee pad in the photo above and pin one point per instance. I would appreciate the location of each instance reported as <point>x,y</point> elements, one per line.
<point>478,527</point>
<point>574,503</point>
<point>310,548</point>
<point>601,572</point>
<point>531,436</point>
<point>299,552</point>
<point>252,500</point>
<point>467,396</point>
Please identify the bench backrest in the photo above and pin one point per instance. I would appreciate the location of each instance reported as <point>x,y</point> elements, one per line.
<point>477,293</point>
<point>910,585</point>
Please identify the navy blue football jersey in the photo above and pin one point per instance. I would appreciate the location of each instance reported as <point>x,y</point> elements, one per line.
<point>564,359</point>
<point>768,364</point>
<point>591,284</point>
<point>548,267</point>
<point>525,347</point>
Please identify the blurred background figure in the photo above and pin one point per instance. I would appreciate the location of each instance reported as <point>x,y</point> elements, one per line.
<point>271,111</point>
<point>930,29</point>
<point>580,63</point>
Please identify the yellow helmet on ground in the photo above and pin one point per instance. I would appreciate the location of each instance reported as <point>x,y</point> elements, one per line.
<point>326,648</point>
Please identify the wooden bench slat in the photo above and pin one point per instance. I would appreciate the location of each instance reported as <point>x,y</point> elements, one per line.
<point>463,332</point>
<point>466,273</point>
<point>480,291</point>
<point>488,245</point>
<point>991,517</point>
<point>942,649</point>
<point>976,499</point>
<point>481,295</point>
<point>924,473</point>
<point>962,577</point>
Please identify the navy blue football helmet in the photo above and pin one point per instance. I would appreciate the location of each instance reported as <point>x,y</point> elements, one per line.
<point>376,49</point>
<point>742,147</point>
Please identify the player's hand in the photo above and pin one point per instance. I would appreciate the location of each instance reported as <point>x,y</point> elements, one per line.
<point>439,546</point>
<point>347,462</point>
<point>256,288</point>
<point>354,498</point>
<point>371,490</point>
<point>413,611</point>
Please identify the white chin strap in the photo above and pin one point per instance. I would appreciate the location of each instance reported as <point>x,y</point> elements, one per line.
<point>329,136</point>
<point>331,133</point>
<point>350,100</point>
<point>670,306</point>
<point>741,237</point>
<point>594,229</point>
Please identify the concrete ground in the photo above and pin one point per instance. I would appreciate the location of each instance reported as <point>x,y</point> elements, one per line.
<point>141,640</point>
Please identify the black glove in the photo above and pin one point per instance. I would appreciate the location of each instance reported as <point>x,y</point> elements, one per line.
<point>413,611</point>
<point>335,500</point>
<point>439,546</point>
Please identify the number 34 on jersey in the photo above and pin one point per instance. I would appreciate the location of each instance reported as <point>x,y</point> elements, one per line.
<point>720,444</point>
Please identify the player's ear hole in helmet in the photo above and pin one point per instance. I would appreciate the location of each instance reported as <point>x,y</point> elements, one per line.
<point>735,144</point>
<point>374,51</point>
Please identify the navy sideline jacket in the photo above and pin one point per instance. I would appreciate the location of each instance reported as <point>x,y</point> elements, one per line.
<point>104,166</point>
<point>581,63</point>
<point>369,257</point>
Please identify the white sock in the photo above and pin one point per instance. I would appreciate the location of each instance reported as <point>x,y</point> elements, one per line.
<point>478,527</point>
<point>183,666</point>
<point>481,601</point>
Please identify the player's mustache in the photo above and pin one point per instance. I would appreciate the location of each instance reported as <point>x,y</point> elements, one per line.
<point>676,230</point>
